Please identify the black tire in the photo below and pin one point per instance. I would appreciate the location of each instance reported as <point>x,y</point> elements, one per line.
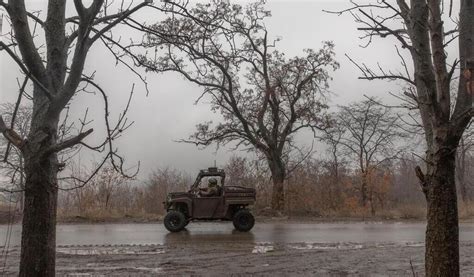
<point>175,221</point>
<point>243,221</point>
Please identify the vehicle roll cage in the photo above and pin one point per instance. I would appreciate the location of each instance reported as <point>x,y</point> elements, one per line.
<point>210,172</point>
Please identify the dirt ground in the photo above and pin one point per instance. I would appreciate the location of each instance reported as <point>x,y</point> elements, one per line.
<point>232,258</point>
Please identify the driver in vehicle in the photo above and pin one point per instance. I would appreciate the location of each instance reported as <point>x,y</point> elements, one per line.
<point>211,190</point>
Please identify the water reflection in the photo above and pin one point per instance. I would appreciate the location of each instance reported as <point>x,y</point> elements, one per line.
<point>210,236</point>
<point>276,233</point>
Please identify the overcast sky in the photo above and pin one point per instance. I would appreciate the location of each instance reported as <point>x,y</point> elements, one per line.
<point>169,114</point>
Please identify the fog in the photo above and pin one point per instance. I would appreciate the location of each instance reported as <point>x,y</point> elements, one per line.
<point>169,112</point>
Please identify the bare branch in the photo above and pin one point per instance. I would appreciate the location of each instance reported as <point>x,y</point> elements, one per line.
<point>25,70</point>
<point>69,142</point>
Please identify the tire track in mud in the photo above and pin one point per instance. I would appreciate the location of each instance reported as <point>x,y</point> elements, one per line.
<point>187,243</point>
<point>224,258</point>
<point>96,245</point>
<point>265,246</point>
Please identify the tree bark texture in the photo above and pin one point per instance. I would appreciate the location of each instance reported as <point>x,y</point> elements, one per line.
<point>38,238</point>
<point>442,233</point>
<point>277,169</point>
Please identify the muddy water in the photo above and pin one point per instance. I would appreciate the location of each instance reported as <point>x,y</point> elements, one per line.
<point>285,232</point>
<point>271,248</point>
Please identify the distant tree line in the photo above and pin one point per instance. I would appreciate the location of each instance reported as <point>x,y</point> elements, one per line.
<point>367,169</point>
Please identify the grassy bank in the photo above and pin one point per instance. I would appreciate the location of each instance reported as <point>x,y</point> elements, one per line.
<point>401,213</point>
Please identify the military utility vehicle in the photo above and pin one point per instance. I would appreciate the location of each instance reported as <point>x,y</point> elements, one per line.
<point>226,203</point>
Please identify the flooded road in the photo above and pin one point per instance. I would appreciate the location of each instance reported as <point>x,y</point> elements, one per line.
<point>285,232</point>
<point>215,249</point>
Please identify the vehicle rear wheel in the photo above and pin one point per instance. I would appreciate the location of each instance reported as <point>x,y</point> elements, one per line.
<point>175,221</point>
<point>243,221</point>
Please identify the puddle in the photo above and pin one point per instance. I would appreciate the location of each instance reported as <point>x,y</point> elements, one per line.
<point>415,244</point>
<point>109,251</point>
<point>399,244</point>
<point>95,268</point>
<point>274,232</point>
<point>263,248</point>
<point>83,274</point>
<point>326,246</point>
<point>150,269</point>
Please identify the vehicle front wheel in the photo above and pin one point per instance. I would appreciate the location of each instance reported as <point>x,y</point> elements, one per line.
<point>243,221</point>
<point>175,221</point>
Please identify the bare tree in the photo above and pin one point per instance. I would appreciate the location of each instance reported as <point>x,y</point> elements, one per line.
<point>264,98</point>
<point>464,158</point>
<point>81,195</point>
<point>55,68</point>
<point>12,166</point>
<point>107,182</point>
<point>239,172</point>
<point>368,133</point>
<point>423,30</point>
<point>406,189</point>
<point>336,164</point>
<point>161,182</point>
<point>333,137</point>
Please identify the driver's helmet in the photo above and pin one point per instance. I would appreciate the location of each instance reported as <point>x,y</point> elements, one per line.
<point>212,182</point>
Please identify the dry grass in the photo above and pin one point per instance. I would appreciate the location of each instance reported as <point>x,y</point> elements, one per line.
<point>99,215</point>
<point>8,214</point>
<point>401,212</point>
<point>410,211</point>
<point>466,210</point>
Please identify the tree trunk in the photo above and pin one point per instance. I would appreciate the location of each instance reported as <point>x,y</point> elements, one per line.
<point>38,238</point>
<point>363,190</point>
<point>278,177</point>
<point>372,203</point>
<point>442,233</point>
